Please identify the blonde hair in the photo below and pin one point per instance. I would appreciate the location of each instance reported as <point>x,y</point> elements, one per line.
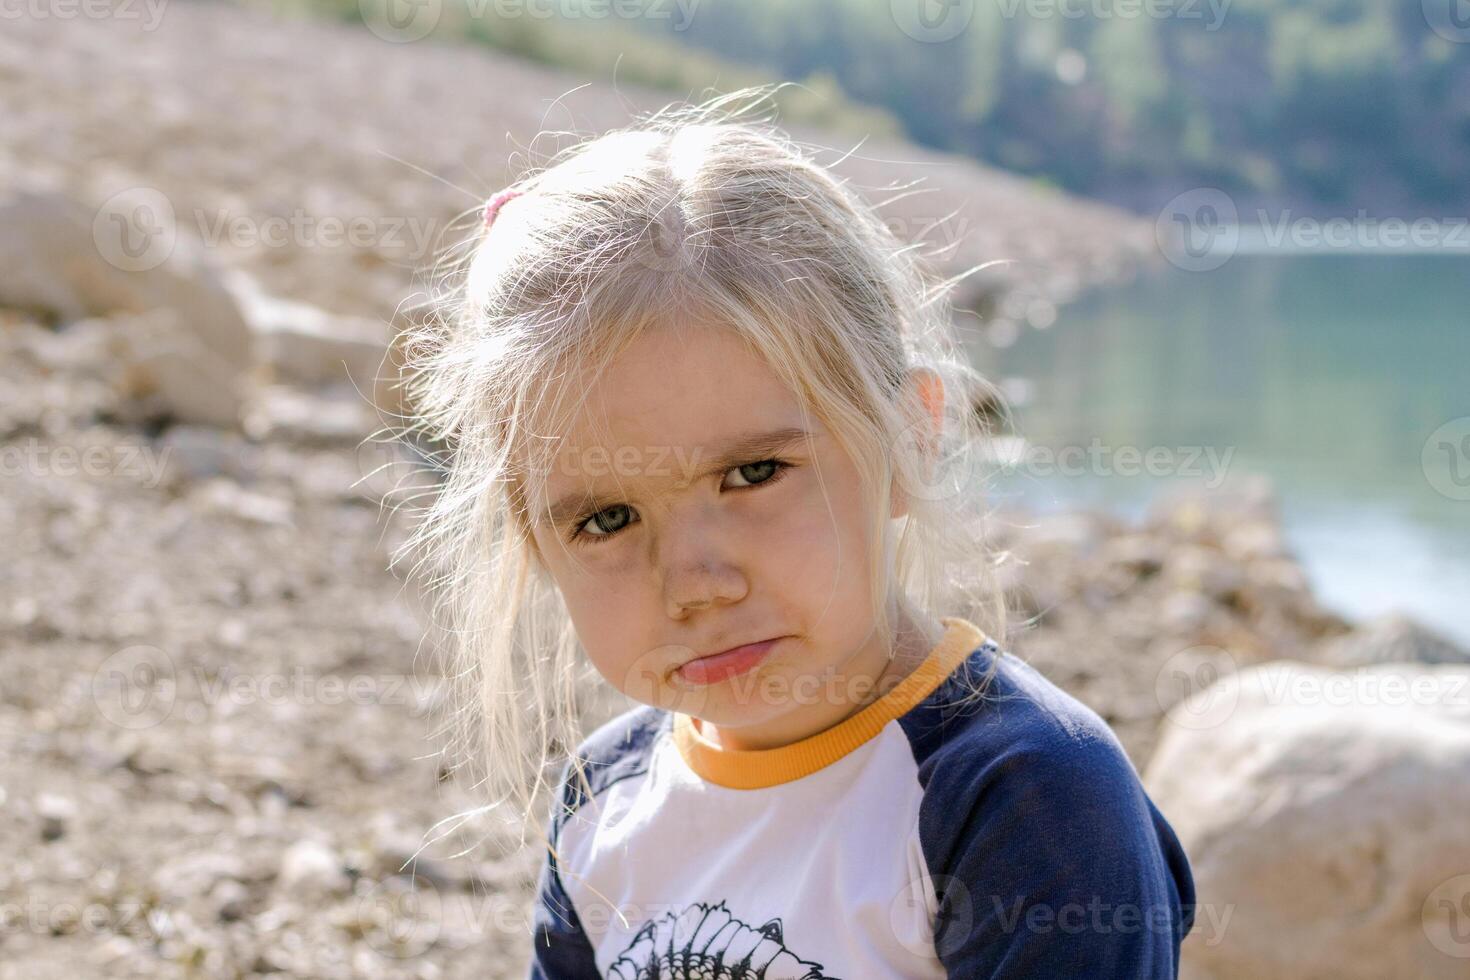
<point>695,215</point>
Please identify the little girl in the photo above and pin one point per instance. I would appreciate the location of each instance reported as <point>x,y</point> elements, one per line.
<point>708,424</point>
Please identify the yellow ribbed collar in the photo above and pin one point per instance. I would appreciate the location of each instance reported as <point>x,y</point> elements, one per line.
<point>760,768</point>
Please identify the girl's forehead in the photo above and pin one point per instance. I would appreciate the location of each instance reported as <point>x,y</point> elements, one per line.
<point>671,386</point>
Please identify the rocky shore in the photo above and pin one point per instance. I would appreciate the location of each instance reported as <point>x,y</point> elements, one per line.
<point>220,708</point>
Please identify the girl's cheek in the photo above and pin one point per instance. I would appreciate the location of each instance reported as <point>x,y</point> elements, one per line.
<point>794,529</point>
<point>608,569</point>
<point>804,533</point>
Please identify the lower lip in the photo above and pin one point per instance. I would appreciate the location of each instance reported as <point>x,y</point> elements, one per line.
<point>722,666</point>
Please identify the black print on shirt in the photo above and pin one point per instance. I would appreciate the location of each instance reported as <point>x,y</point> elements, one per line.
<point>708,943</point>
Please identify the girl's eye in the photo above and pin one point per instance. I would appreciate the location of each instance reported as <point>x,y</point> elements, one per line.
<point>616,516</point>
<point>605,523</point>
<point>768,467</point>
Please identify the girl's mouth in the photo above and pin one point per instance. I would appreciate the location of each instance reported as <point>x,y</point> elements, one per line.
<point>730,663</point>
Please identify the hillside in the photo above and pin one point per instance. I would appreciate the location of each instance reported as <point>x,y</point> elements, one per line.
<point>333,165</point>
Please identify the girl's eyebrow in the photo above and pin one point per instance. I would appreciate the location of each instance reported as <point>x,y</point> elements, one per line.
<point>741,449</point>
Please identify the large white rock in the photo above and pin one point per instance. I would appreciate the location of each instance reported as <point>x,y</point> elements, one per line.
<point>1326,815</point>
<point>68,261</point>
<point>180,334</point>
<point>305,344</point>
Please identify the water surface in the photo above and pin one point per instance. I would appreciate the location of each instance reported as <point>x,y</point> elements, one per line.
<point>1343,378</point>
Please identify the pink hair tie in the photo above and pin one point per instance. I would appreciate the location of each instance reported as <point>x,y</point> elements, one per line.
<point>493,205</point>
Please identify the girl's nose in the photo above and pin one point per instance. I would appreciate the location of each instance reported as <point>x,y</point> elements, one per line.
<point>697,557</point>
<point>702,584</point>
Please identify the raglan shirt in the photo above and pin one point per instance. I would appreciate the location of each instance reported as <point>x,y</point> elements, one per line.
<point>1008,837</point>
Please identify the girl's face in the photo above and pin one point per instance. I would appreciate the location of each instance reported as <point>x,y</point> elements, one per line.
<point>693,516</point>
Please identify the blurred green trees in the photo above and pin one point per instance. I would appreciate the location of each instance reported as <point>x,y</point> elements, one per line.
<point>1341,104</point>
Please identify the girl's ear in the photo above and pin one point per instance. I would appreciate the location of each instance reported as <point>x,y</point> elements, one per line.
<point>928,387</point>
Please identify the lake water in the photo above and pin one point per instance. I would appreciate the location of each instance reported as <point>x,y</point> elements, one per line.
<point>1345,379</point>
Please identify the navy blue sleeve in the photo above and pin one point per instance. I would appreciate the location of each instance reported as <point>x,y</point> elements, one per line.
<point>1050,860</point>
<point>560,948</point>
